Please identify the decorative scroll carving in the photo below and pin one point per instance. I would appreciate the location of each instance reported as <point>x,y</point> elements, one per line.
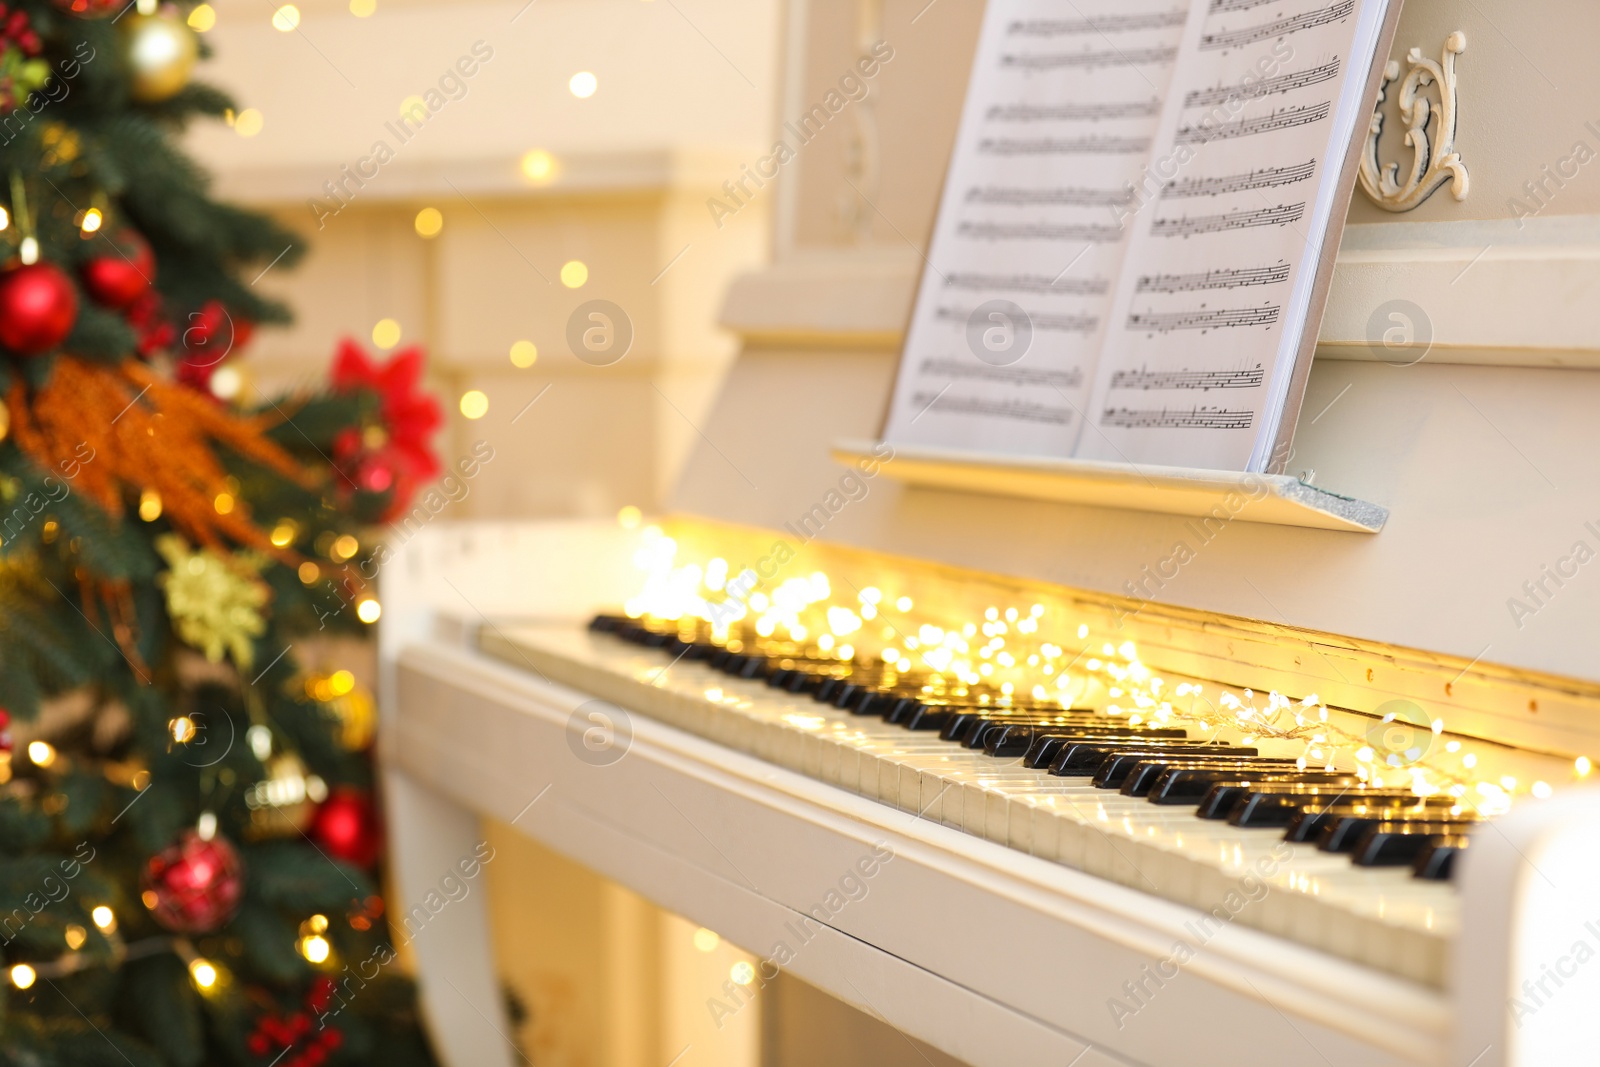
<point>1434,156</point>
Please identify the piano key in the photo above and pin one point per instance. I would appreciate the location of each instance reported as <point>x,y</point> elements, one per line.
<point>1276,807</point>
<point>1193,784</point>
<point>1084,758</point>
<point>1344,827</point>
<point>1138,779</point>
<point>1399,844</point>
<point>1437,862</point>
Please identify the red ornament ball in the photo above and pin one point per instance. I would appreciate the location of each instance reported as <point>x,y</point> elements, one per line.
<point>91,9</point>
<point>346,827</point>
<point>38,305</point>
<point>5,731</point>
<point>194,886</point>
<point>118,279</point>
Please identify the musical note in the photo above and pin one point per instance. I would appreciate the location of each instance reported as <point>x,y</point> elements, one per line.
<point>1265,178</point>
<point>1038,320</point>
<point>1028,283</point>
<point>1020,410</point>
<point>1195,418</point>
<point>1103,25</point>
<point>1282,28</point>
<point>1052,146</point>
<point>1085,112</point>
<point>1282,215</point>
<point>1018,374</point>
<point>997,231</point>
<point>1202,380</point>
<point>1220,319</point>
<point>1132,57</point>
<point>1281,119</point>
<point>1017,197</point>
<point>1283,83</point>
<point>1213,279</point>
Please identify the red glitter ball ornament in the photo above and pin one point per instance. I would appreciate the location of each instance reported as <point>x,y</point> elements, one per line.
<point>346,826</point>
<point>193,886</point>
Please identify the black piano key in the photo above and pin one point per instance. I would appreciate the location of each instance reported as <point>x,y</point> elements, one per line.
<point>1048,743</point>
<point>780,678</point>
<point>1192,785</point>
<point>1009,741</point>
<point>1142,775</point>
<point>1400,844</point>
<point>698,650</point>
<point>928,717</point>
<point>752,667</point>
<point>1438,861</point>
<point>607,624</point>
<point>1270,801</point>
<point>1082,758</point>
<point>899,713</point>
<point>1343,824</point>
<point>826,689</point>
<point>718,658</point>
<point>846,694</point>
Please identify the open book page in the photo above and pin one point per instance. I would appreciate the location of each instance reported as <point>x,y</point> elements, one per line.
<point>1063,105</point>
<point>1211,310</point>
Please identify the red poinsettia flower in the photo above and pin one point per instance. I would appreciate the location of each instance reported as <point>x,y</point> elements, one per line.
<point>397,455</point>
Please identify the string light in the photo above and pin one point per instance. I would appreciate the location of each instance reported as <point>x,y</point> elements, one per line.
<point>539,167</point>
<point>369,611</point>
<point>104,918</point>
<point>706,940</point>
<point>92,220</point>
<point>203,18</point>
<point>23,976</point>
<point>315,948</point>
<point>583,84</point>
<point>574,274</point>
<point>42,753</point>
<point>183,729</point>
<point>203,973</point>
<point>524,354</point>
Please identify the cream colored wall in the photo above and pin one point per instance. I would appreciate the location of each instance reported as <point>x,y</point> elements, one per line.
<point>685,99</point>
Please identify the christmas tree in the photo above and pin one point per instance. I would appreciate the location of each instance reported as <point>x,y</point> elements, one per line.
<point>188,843</point>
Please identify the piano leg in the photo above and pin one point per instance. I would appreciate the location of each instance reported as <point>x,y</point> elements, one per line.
<point>460,995</point>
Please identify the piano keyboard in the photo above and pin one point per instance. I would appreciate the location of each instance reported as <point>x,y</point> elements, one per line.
<point>1313,855</point>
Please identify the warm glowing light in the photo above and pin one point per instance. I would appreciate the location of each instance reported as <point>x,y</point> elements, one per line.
<point>286,18</point>
<point>75,936</point>
<point>226,383</point>
<point>343,547</point>
<point>705,940</point>
<point>904,603</point>
<point>248,122</point>
<point>92,220</point>
<point>474,403</point>
<point>1542,790</point>
<point>524,354</point>
<point>413,108</point>
<point>315,948</point>
<point>23,976</point>
<point>629,517</point>
<point>386,334</point>
<point>1469,761</point>
<point>341,682</point>
<point>318,924</point>
<point>29,251</point>
<point>309,572</point>
<point>283,534</point>
<point>104,918</point>
<point>202,18</point>
<point>742,973</point>
<point>42,753</point>
<point>363,8</point>
<point>429,221</point>
<point>183,729</point>
<point>1582,766</point>
<point>539,167</point>
<point>223,503</point>
<point>149,505</point>
<point>203,973</point>
<point>574,273</point>
<point>368,611</point>
<point>5,219</point>
<point>583,84</point>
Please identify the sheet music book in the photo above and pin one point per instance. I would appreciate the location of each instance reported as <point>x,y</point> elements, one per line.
<point>1138,227</point>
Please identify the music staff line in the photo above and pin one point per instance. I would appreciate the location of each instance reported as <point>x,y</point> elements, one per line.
<point>1281,119</point>
<point>1027,283</point>
<point>1008,196</point>
<point>1017,374</point>
<point>1195,418</point>
<point>1283,83</point>
<point>1097,112</point>
<point>1053,146</point>
<point>1199,380</point>
<point>1031,231</point>
<point>1084,324</point>
<point>1227,278</point>
<point>1106,24</point>
<point>1337,12</point>
<point>1185,226</point>
<point>1218,319</point>
<point>1133,57</point>
<point>1262,178</point>
<point>1020,410</point>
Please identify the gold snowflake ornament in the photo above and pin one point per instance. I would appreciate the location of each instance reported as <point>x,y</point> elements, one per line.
<point>215,600</point>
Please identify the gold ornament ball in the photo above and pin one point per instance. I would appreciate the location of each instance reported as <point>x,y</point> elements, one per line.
<point>161,52</point>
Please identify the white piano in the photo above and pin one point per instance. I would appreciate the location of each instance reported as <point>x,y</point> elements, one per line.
<point>995,910</point>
